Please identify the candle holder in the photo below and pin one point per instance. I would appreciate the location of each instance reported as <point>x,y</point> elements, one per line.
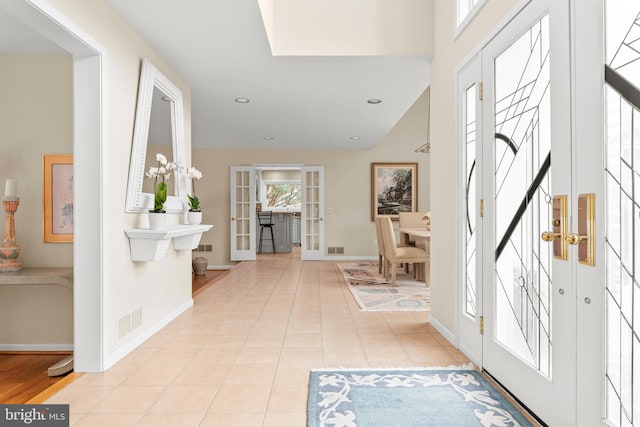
<point>10,250</point>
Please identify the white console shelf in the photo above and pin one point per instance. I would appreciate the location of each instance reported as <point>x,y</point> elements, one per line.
<point>152,245</point>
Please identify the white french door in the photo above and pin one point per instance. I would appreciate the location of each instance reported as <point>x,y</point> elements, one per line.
<point>312,224</point>
<point>243,213</point>
<point>517,194</point>
<point>562,318</point>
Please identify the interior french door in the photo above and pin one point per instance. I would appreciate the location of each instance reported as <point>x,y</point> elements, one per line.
<point>243,213</point>
<point>312,223</point>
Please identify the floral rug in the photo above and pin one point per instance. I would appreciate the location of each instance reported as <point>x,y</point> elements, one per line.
<point>373,293</point>
<point>458,397</point>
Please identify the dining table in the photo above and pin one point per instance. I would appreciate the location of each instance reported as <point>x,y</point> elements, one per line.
<point>421,237</point>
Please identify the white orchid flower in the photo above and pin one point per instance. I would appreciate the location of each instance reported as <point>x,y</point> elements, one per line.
<point>170,166</point>
<point>153,172</point>
<point>161,159</point>
<point>162,170</point>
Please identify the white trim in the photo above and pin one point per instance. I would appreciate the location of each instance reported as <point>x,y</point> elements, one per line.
<point>36,347</point>
<point>120,353</point>
<point>90,70</point>
<point>489,35</point>
<point>350,258</point>
<point>220,267</point>
<point>460,27</point>
<point>449,336</point>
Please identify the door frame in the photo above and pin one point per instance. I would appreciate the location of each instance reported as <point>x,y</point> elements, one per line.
<point>250,255</point>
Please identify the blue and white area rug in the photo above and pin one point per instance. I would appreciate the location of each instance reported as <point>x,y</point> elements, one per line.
<point>373,293</point>
<point>407,398</point>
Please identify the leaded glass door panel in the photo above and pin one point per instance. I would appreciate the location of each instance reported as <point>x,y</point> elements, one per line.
<point>622,211</point>
<point>519,71</point>
<point>469,129</point>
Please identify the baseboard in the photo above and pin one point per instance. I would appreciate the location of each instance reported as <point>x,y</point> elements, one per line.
<point>450,336</point>
<point>120,353</point>
<point>36,347</point>
<point>220,267</point>
<point>351,258</point>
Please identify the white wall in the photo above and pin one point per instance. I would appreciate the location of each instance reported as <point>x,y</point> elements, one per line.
<point>448,54</point>
<point>347,184</point>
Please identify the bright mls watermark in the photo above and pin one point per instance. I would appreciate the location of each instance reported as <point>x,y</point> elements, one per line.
<point>34,415</point>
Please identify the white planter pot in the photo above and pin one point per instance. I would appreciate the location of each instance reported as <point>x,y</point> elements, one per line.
<point>194,218</point>
<point>157,220</point>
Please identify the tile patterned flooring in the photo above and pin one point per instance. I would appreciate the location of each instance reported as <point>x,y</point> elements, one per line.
<point>241,355</point>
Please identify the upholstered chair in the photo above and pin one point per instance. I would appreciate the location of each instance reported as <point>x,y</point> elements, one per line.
<point>395,255</point>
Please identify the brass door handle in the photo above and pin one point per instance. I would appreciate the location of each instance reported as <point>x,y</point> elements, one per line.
<point>575,239</point>
<point>233,218</point>
<point>559,228</point>
<point>550,236</point>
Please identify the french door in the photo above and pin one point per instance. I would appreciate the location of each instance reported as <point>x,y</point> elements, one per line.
<point>560,153</point>
<point>242,195</point>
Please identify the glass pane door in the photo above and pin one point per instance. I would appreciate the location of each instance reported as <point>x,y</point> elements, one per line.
<point>312,244</point>
<point>242,226</point>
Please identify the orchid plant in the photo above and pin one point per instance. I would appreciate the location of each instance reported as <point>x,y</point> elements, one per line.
<point>193,174</point>
<point>163,171</point>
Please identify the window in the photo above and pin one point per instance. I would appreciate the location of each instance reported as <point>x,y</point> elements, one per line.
<point>465,11</point>
<point>282,194</point>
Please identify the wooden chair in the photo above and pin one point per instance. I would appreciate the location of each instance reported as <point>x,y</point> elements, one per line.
<point>381,262</point>
<point>395,255</point>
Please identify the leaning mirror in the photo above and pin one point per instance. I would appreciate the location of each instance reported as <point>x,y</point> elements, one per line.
<point>158,128</point>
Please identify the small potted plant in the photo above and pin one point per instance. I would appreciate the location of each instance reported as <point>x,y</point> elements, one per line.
<point>162,171</point>
<point>194,216</point>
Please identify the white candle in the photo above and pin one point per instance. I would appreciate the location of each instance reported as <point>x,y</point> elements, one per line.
<point>11,188</point>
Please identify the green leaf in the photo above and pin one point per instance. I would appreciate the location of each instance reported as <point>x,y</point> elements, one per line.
<point>160,196</point>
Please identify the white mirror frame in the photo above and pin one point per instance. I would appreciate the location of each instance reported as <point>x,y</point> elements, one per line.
<point>137,201</point>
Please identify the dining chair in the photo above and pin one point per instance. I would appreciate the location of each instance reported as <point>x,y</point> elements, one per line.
<point>381,263</point>
<point>395,255</point>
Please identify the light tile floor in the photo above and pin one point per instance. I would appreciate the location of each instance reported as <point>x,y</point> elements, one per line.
<point>241,356</point>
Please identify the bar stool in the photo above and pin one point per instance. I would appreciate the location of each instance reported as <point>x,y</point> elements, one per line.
<point>265,221</point>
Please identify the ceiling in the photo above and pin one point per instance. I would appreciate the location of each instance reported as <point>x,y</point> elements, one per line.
<point>221,49</point>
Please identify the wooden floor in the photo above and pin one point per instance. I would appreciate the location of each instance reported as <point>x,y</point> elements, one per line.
<point>23,376</point>
<point>202,281</point>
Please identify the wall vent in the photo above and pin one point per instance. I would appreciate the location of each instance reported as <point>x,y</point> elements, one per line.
<point>124,326</point>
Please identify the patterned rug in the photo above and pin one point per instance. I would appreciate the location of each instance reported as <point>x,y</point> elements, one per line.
<point>407,398</point>
<point>373,293</point>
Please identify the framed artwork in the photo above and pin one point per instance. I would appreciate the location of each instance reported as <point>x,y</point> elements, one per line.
<point>57,190</point>
<point>394,189</point>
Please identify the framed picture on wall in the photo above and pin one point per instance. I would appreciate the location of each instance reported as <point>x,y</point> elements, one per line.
<point>394,189</point>
<point>57,190</point>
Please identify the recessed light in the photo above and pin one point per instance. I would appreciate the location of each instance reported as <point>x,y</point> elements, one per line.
<point>355,138</point>
<point>242,100</point>
<point>268,138</point>
<point>374,101</point>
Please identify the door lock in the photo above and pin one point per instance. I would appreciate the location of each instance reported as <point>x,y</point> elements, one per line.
<point>559,228</point>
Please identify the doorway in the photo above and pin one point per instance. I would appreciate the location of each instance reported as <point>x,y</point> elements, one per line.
<point>88,70</point>
<point>244,195</point>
